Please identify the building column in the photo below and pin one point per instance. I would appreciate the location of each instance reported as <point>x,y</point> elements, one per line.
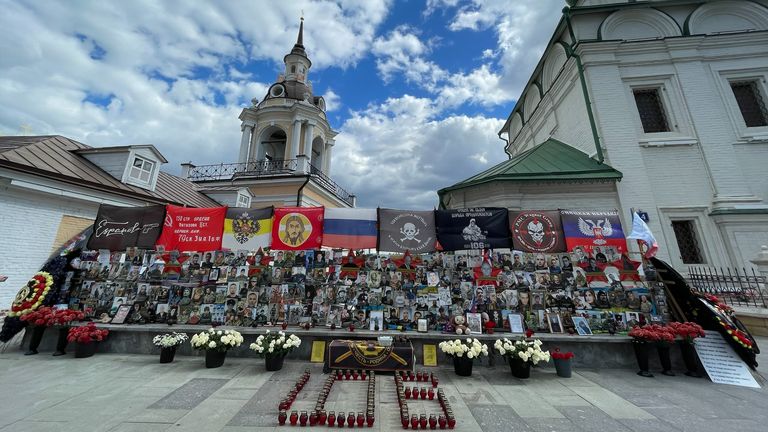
<point>245,142</point>
<point>295,137</point>
<point>310,129</point>
<point>253,155</point>
<point>327,157</point>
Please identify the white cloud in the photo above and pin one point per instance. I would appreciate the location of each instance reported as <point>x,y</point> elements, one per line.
<point>332,100</point>
<point>172,73</point>
<point>522,28</point>
<point>400,152</point>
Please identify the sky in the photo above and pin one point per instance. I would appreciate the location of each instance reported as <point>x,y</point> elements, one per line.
<point>417,89</point>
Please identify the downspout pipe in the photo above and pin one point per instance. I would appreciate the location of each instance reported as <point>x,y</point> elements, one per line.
<point>580,67</point>
<point>301,189</point>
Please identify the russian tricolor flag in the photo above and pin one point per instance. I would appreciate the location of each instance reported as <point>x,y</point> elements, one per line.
<point>350,228</point>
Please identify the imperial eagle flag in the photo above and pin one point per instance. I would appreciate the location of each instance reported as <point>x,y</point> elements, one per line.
<point>402,230</point>
<point>593,229</point>
<point>247,229</point>
<point>472,228</point>
<point>297,228</point>
<point>117,228</point>
<point>536,231</point>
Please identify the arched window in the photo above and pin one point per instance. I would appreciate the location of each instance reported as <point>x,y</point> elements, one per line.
<point>293,69</point>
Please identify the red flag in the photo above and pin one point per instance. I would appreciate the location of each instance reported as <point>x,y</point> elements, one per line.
<point>297,228</point>
<point>192,229</point>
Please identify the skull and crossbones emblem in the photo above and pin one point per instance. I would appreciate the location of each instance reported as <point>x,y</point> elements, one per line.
<point>410,232</point>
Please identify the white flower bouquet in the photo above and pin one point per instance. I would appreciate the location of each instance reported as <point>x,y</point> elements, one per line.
<point>469,347</point>
<point>169,340</point>
<point>275,344</point>
<point>525,350</point>
<point>216,340</point>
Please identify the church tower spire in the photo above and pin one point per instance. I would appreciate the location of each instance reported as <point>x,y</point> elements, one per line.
<point>297,63</point>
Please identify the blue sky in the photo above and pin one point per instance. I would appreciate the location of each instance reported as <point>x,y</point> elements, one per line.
<point>417,89</point>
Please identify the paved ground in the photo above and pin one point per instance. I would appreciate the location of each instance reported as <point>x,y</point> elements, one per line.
<point>135,393</point>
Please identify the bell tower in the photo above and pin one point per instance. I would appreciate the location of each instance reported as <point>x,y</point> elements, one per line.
<point>286,144</point>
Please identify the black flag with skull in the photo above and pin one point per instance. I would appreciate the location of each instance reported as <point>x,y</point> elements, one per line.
<point>401,230</point>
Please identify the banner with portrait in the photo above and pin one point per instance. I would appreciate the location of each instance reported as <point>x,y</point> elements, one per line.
<point>593,230</point>
<point>247,229</point>
<point>402,230</point>
<point>537,231</point>
<point>118,228</point>
<point>297,228</point>
<point>472,228</point>
<point>192,229</point>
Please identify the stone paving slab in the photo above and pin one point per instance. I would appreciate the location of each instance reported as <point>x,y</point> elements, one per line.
<point>125,392</point>
<point>190,394</point>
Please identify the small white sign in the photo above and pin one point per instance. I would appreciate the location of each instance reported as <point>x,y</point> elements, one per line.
<point>722,363</point>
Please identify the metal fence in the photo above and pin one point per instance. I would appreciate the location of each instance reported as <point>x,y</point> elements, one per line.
<point>255,168</point>
<point>736,287</point>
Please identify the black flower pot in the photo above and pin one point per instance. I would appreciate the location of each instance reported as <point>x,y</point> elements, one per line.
<point>664,359</point>
<point>35,339</point>
<point>520,369</point>
<point>274,363</point>
<point>563,367</point>
<point>61,341</point>
<point>83,350</point>
<point>641,354</point>
<point>167,354</point>
<point>462,366</point>
<point>214,359</point>
<point>691,359</point>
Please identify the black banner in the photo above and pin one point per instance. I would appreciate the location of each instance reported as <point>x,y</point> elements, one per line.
<point>117,228</point>
<point>473,228</point>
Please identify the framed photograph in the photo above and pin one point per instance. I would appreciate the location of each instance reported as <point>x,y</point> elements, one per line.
<point>122,314</point>
<point>516,323</point>
<point>422,326</point>
<point>376,320</point>
<point>214,274</point>
<point>555,323</point>
<point>475,323</point>
<point>582,326</point>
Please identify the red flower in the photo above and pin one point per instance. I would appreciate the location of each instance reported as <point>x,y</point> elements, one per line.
<point>556,354</point>
<point>528,333</point>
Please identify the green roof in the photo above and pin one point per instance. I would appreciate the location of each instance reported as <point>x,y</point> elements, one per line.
<point>551,160</point>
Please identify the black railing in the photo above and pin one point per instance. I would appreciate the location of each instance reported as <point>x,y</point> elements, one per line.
<point>737,287</point>
<point>266,168</point>
<point>234,170</point>
<point>331,185</point>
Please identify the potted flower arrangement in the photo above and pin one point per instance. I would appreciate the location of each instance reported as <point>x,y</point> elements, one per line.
<point>688,331</point>
<point>522,354</point>
<point>562,362</point>
<point>86,337</point>
<point>464,352</point>
<point>216,343</point>
<point>641,339</point>
<point>45,317</point>
<point>274,347</point>
<point>168,344</point>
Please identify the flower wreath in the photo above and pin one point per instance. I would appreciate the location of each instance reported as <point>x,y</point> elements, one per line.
<point>739,336</point>
<point>31,296</point>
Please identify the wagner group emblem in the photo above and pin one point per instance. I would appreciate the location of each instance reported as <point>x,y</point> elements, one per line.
<point>537,231</point>
<point>401,230</point>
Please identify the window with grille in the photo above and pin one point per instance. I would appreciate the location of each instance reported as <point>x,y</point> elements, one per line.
<point>687,242</point>
<point>651,110</point>
<point>751,103</point>
<point>141,170</point>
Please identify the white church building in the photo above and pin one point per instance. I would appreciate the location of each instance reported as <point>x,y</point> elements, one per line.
<point>657,106</point>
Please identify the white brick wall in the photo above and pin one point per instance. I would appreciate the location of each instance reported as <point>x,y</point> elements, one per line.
<point>28,225</point>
